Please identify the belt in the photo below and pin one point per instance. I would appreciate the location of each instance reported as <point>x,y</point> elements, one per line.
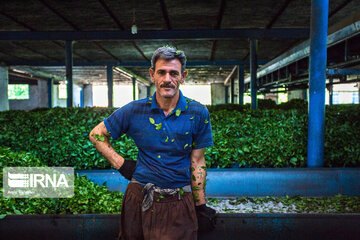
<point>150,188</point>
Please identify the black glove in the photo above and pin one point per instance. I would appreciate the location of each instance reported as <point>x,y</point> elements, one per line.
<point>206,218</point>
<point>127,169</point>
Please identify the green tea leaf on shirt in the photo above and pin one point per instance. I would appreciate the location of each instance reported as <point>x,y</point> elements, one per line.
<point>158,156</point>
<point>99,138</point>
<point>152,121</point>
<point>186,145</point>
<point>187,133</point>
<point>173,140</point>
<point>178,112</point>
<point>186,107</point>
<point>158,126</point>
<point>206,121</point>
<point>181,191</point>
<point>167,139</point>
<point>194,144</point>
<point>193,177</point>
<point>150,98</point>
<point>192,118</point>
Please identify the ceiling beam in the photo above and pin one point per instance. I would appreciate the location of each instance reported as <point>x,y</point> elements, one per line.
<point>74,27</point>
<point>338,8</point>
<point>129,64</point>
<point>34,51</point>
<point>204,34</point>
<point>165,14</point>
<point>112,15</point>
<point>59,15</point>
<point>217,26</point>
<point>120,26</point>
<point>278,14</point>
<point>273,20</point>
<point>230,75</point>
<point>17,21</point>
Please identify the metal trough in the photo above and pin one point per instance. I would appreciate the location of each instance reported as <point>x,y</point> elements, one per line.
<point>229,226</point>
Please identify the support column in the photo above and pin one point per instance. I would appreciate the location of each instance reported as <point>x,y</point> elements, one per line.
<point>4,81</point>
<point>253,70</point>
<point>232,90</point>
<point>331,91</point>
<point>241,84</point>
<point>50,86</point>
<point>318,42</point>
<point>69,77</point>
<point>109,75</point>
<point>88,95</point>
<point>82,97</point>
<point>226,94</point>
<point>147,91</point>
<point>134,87</point>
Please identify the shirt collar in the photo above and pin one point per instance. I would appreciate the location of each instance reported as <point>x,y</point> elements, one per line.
<point>182,103</point>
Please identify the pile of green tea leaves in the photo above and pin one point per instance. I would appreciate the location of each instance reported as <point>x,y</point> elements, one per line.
<point>88,196</point>
<point>295,204</point>
<point>274,136</point>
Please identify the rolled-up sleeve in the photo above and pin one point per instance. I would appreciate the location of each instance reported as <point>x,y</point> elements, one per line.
<point>117,123</point>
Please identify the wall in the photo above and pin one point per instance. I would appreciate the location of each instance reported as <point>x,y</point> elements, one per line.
<point>217,93</point>
<point>88,95</point>
<point>4,80</point>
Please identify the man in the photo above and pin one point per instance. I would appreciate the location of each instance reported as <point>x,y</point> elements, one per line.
<point>168,179</point>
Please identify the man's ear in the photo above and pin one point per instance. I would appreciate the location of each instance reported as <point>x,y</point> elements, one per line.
<point>183,76</point>
<point>151,72</point>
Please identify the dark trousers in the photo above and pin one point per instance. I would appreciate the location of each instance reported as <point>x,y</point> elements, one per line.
<point>168,217</point>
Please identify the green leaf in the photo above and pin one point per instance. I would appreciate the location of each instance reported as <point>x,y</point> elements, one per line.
<point>167,139</point>
<point>206,121</point>
<point>192,118</point>
<point>172,140</point>
<point>158,156</point>
<point>99,138</point>
<point>193,177</point>
<point>178,112</point>
<point>158,126</point>
<point>192,169</point>
<point>186,145</point>
<point>152,121</point>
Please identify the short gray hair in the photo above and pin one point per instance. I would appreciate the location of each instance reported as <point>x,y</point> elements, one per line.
<point>169,53</point>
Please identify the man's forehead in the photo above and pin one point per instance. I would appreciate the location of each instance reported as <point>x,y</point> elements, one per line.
<point>168,63</point>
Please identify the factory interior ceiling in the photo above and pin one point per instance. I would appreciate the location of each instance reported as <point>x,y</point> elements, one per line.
<point>200,28</point>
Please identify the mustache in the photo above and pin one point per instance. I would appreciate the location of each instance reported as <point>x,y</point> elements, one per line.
<point>167,85</point>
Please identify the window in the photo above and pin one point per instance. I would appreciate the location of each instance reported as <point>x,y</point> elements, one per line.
<point>336,98</point>
<point>62,93</point>
<point>355,97</point>
<point>18,91</point>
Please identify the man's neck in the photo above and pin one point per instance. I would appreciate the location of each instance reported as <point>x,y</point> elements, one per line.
<point>167,104</point>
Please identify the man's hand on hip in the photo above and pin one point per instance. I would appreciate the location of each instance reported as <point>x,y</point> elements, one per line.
<point>127,169</point>
<point>206,218</point>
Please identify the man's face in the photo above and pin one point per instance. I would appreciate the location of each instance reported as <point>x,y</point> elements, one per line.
<point>167,77</point>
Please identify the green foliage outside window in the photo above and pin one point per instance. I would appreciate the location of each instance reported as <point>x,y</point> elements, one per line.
<point>18,91</point>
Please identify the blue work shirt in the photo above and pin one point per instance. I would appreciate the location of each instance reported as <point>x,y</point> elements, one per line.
<point>164,142</point>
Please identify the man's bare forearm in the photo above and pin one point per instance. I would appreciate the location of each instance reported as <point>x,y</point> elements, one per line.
<point>100,139</point>
<point>198,176</point>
